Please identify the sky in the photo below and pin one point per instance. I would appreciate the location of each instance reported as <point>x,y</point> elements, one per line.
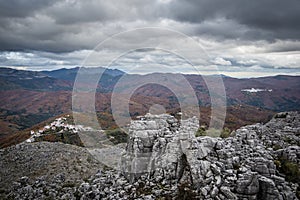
<point>237,38</point>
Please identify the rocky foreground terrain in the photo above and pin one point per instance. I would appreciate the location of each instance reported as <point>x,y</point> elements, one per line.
<point>162,160</point>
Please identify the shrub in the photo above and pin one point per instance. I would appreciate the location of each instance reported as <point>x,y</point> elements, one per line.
<point>276,147</point>
<point>225,133</point>
<point>213,132</point>
<point>200,132</point>
<point>291,171</point>
<point>117,136</point>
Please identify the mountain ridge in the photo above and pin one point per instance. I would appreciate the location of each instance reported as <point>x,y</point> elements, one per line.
<point>29,96</point>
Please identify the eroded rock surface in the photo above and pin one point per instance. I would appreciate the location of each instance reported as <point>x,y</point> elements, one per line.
<point>241,166</point>
<point>164,160</point>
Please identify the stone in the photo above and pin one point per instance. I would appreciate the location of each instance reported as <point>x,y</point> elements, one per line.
<point>214,192</point>
<point>227,193</point>
<point>268,189</point>
<point>247,184</point>
<point>162,159</point>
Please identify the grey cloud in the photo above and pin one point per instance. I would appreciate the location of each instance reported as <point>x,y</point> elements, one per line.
<point>279,17</point>
<point>22,8</point>
<point>284,46</point>
<point>59,31</point>
<point>63,26</point>
<point>75,12</point>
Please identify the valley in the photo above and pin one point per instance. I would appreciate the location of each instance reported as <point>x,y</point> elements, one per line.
<point>29,98</point>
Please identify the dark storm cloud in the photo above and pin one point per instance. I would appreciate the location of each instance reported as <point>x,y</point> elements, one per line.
<point>82,11</point>
<point>62,26</point>
<point>277,18</point>
<point>256,34</point>
<point>22,8</point>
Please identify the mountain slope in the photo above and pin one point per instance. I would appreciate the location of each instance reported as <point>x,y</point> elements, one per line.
<point>28,98</point>
<point>278,93</point>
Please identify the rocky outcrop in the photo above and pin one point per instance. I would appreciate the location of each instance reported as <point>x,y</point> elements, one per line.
<point>164,160</point>
<point>155,146</point>
<point>44,161</point>
<point>237,167</point>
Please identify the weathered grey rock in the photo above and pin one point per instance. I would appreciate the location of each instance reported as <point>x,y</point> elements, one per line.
<point>268,189</point>
<point>247,184</point>
<point>165,161</point>
<point>227,193</point>
<point>205,160</point>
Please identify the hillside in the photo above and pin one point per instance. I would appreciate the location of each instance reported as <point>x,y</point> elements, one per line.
<point>28,98</point>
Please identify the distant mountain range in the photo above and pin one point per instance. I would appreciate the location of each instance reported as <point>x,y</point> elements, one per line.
<point>29,97</point>
<point>56,80</point>
<point>70,74</point>
<point>278,93</point>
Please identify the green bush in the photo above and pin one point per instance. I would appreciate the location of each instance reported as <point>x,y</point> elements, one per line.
<point>276,147</point>
<point>290,170</point>
<point>213,132</point>
<point>200,132</point>
<point>225,133</point>
<point>117,136</point>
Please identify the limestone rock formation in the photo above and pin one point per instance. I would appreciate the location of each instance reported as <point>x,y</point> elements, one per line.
<point>164,160</point>
<point>237,167</point>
